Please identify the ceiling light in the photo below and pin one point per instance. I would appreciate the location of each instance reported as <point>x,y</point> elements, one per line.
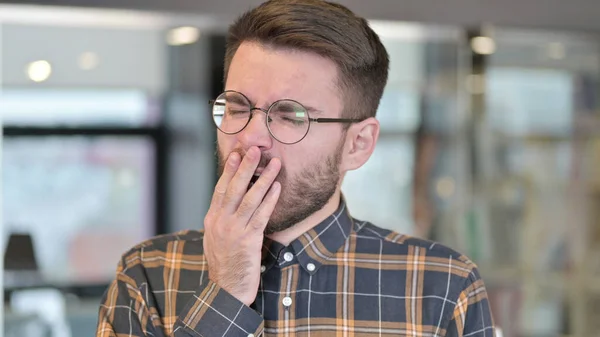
<point>88,60</point>
<point>483,45</point>
<point>183,35</point>
<point>445,187</point>
<point>39,71</point>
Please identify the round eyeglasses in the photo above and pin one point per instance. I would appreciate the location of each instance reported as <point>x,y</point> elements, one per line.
<point>287,120</point>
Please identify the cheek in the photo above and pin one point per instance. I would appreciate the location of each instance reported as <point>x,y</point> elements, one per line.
<point>295,161</point>
<point>225,143</point>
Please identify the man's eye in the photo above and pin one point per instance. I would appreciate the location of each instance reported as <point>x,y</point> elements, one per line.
<point>297,122</point>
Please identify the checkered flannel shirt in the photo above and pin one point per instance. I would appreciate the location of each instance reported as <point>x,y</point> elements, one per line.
<point>342,278</point>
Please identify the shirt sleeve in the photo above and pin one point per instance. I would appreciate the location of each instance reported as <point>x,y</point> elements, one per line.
<point>214,312</point>
<point>127,310</point>
<point>472,316</point>
<point>123,311</point>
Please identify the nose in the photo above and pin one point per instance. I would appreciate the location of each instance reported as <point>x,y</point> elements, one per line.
<point>256,132</point>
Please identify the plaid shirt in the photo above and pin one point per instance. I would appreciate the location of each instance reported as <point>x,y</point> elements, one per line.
<point>344,277</point>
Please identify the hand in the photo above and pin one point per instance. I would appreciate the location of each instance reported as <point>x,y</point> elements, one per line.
<point>235,223</point>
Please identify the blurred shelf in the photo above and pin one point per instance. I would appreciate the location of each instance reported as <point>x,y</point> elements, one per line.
<point>396,133</point>
<point>594,190</point>
<point>554,280</point>
<point>594,285</point>
<point>583,127</point>
<point>546,138</point>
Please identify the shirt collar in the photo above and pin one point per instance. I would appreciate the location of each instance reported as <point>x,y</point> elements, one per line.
<point>315,247</point>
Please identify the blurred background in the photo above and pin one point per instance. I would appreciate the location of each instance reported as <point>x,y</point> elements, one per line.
<point>490,144</point>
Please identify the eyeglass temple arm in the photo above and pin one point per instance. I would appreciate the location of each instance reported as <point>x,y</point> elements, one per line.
<point>335,120</point>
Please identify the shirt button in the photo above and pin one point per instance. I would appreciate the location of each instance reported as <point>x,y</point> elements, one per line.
<point>262,269</point>
<point>287,301</point>
<point>288,256</point>
<point>311,267</point>
<point>251,335</point>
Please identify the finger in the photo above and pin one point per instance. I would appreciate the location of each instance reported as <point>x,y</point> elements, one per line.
<point>257,192</point>
<point>239,184</point>
<point>231,167</point>
<point>261,217</point>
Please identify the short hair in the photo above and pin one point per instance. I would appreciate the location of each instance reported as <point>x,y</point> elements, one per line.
<point>329,30</point>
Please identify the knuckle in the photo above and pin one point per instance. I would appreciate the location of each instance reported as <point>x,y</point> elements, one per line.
<point>258,220</point>
<point>220,190</point>
<point>263,184</point>
<point>227,198</point>
<point>256,224</point>
<point>208,219</point>
<point>246,207</point>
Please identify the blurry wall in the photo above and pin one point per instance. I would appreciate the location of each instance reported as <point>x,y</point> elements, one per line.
<point>547,14</point>
<point>191,134</point>
<point>140,54</point>
<point>108,150</point>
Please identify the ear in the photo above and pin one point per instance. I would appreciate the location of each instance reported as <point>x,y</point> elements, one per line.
<point>360,143</point>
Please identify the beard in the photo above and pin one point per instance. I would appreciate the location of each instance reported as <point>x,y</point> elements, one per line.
<point>302,194</point>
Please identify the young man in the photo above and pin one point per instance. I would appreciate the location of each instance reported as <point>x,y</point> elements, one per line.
<point>280,254</point>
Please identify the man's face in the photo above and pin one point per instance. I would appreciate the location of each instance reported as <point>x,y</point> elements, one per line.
<point>310,172</point>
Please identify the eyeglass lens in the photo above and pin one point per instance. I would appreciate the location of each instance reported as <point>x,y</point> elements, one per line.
<point>288,121</point>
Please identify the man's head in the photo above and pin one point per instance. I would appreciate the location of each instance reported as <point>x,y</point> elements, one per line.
<point>326,29</point>
<point>322,56</point>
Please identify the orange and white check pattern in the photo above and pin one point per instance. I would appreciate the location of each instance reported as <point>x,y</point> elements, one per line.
<point>342,278</point>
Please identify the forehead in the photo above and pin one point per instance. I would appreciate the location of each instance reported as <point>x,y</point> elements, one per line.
<point>266,74</point>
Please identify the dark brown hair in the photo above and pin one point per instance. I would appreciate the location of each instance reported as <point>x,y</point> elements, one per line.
<point>329,30</point>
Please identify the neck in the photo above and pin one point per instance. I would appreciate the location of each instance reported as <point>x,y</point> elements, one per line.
<point>287,236</point>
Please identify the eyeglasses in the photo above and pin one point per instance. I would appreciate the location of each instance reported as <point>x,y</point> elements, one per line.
<point>287,120</point>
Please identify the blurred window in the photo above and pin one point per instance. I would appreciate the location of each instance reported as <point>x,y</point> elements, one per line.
<point>77,107</point>
<point>530,101</point>
<point>84,201</point>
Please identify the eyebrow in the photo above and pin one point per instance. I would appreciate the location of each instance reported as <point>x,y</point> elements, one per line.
<point>235,99</point>
<point>312,110</point>
<point>308,108</point>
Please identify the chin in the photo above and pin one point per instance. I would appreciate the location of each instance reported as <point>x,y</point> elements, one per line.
<point>287,215</point>
<point>277,225</point>
<point>270,230</point>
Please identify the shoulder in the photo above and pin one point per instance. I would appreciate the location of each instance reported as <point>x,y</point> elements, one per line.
<point>438,270</point>
<point>154,251</point>
<point>429,253</point>
<point>161,242</point>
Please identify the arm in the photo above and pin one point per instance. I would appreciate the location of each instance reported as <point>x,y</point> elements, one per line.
<point>130,310</point>
<point>472,315</point>
<point>120,311</point>
<point>232,243</point>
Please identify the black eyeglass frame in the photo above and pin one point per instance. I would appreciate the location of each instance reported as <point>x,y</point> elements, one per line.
<point>213,102</point>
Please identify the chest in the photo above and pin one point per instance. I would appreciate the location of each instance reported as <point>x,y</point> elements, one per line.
<point>349,301</point>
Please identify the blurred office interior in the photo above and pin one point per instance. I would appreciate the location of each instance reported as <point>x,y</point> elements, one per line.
<point>490,144</point>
